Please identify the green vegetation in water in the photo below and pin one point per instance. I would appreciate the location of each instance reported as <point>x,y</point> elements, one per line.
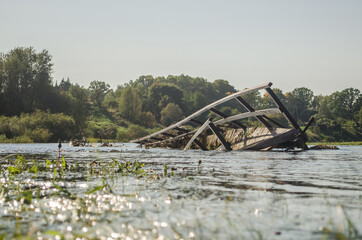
<point>28,183</point>
<point>45,201</point>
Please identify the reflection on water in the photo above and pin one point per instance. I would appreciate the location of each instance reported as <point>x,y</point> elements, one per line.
<point>207,195</point>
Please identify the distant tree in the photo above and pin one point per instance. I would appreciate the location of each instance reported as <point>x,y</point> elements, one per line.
<point>64,85</point>
<point>130,105</point>
<point>79,106</point>
<point>300,103</point>
<point>161,94</point>
<point>25,80</point>
<point>347,103</point>
<point>222,88</point>
<point>98,91</point>
<point>170,114</point>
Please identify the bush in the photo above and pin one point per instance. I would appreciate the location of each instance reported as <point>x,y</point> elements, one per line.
<point>133,132</point>
<point>38,135</point>
<point>37,127</point>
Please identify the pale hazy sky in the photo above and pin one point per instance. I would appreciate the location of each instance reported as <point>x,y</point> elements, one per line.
<point>314,44</point>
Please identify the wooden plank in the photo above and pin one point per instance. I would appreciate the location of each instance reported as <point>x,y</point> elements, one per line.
<point>275,122</point>
<point>168,135</point>
<point>308,124</point>
<point>196,121</point>
<point>212,105</point>
<point>281,138</point>
<point>251,109</point>
<point>282,108</point>
<point>239,125</point>
<point>199,131</point>
<point>219,136</point>
<point>181,130</point>
<point>158,139</point>
<point>288,116</point>
<point>198,143</point>
<point>249,114</point>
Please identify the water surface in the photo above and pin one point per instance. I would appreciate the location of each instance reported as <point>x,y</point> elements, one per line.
<point>205,195</point>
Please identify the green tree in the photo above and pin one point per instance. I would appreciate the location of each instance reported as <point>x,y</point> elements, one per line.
<point>161,94</point>
<point>97,92</point>
<point>130,105</point>
<point>222,88</point>
<point>300,103</point>
<point>79,106</point>
<point>170,114</point>
<point>25,80</point>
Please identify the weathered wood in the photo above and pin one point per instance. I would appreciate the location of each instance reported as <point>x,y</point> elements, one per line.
<point>282,108</point>
<point>223,121</point>
<point>196,121</point>
<point>251,109</point>
<point>248,114</point>
<point>275,122</point>
<point>168,135</point>
<point>201,111</point>
<point>176,136</point>
<point>155,138</point>
<point>181,130</point>
<point>199,131</point>
<point>279,139</point>
<point>308,124</point>
<point>288,116</point>
<point>219,136</point>
<point>198,143</point>
<point>239,125</point>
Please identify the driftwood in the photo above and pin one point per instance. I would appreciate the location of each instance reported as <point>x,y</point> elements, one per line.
<point>229,133</point>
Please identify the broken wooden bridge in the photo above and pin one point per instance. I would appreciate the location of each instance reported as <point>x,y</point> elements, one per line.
<point>228,132</point>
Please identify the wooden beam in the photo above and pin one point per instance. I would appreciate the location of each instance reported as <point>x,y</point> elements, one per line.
<point>199,131</point>
<point>239,125</point>
<point>273,121</point>
<point>196,121</point>
<point>274,141</point>
<point>168,135</point>
<point>158,139</point>
<point>219,136</point>
<point>181,130</point>
<point>248,114</point>
<point>289,117</point>
<point>198,143</point>
<point>308,124</point>
<point>251,109</point>
<point>282,108</point>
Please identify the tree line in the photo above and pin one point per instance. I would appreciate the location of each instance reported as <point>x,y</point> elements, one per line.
<point>34,108</point>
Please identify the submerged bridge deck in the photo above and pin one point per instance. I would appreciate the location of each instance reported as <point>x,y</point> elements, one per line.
<point>228,132</point>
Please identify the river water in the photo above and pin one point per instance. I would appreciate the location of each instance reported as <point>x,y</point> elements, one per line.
<point>204,195</point>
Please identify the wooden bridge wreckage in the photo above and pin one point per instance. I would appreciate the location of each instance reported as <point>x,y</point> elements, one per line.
<point>228,133</point>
